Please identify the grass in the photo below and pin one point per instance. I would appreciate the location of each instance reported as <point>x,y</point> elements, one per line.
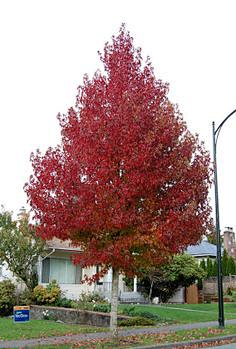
<point>172,313</point>
<point>181,313</point>
<point>138,340</point>
<point>40,328</point>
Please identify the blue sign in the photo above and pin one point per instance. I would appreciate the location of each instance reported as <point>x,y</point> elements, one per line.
<point>21,314</point>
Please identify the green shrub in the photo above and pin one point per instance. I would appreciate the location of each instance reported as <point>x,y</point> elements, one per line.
<point>63,302</point>
<point>137,312</point>
<point>146,314</point>
<point>102,307</point>
<point>25,297</point>
<point>85,305</point>
<point>136,321</point>
<point>74,304</point>
<point>233,295</point>
<point>91,297</point>
<point>48,295</point>
<point>7,297</point>
<point>128,310</point>
<point>92,301</point>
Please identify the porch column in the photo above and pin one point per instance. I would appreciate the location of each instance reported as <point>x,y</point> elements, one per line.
<point>135,284</point>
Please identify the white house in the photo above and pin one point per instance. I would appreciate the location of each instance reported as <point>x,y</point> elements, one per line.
<point>57,265</point>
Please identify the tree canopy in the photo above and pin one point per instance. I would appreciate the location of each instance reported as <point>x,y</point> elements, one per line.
<point>129,182</point>
<point>20,248</point>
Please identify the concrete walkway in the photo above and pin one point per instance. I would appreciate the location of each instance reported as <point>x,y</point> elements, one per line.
<point>29,343</point>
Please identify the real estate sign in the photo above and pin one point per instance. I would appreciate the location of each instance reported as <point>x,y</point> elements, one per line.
<point>21,313</point>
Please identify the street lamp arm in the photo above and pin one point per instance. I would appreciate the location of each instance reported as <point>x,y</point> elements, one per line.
<point>222,123</point>
<point>215,134</point>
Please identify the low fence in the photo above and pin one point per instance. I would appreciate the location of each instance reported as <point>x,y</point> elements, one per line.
<point>210,284</point>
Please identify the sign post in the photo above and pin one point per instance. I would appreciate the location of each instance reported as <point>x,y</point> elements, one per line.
<point>21,313</point>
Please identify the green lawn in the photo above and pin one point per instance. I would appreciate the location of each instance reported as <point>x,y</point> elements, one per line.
<point>175,313</point>
<point>40,328</point>
<point>182,313</point>
<point>138,340</point>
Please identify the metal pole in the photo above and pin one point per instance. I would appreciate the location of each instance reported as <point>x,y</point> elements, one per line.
<point>219,265</point>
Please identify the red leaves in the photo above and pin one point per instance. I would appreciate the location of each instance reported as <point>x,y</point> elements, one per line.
<point>129,182</point>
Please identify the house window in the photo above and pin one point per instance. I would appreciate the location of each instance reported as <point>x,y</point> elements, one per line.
<point>99,282</point>
<point>62,270</point>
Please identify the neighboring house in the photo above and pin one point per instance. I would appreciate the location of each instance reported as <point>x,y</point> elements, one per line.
<point>202,251</point>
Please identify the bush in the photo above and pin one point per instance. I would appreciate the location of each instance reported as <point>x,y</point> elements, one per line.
<point>48,295</point>
<point>93,301</point>
<point>128,310</point>
<point>91,297</point>
<point>85,306</point>
<point>7,297</point>
<point>25,297</point>
<point>136,321</point>
<point>74,304</point>
<point>102,307</point>
<point>146,314</point>
<point>233,295</point>
<point>137,312</point>
<point>63,302</point>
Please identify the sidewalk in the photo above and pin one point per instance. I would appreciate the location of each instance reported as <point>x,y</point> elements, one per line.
<point>101,335</point>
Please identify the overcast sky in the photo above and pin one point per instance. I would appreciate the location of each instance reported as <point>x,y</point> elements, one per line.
<point>47,46</point>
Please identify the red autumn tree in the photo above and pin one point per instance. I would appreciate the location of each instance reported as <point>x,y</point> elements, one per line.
<point>129,182</point>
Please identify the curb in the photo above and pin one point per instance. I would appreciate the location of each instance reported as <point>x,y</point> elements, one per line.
<point>180,344</point>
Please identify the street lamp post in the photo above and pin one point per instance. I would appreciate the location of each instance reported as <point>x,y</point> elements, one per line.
<point>215,133</point>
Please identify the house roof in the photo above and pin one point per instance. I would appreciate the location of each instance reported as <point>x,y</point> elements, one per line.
<point>58,244</point>
<point>204,249</point>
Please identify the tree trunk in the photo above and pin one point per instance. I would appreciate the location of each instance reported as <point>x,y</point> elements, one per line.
<point>114,303</point>
<point>150,292</point>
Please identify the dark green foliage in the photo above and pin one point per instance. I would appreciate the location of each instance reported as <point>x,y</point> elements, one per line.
<point>209,267</point>
<point>102,307</point>
<point>129,282</point>
<point>230,270</point>
<point>224,262</point>
<point>200,284</point>
<point>203,264</point>
<point>137,312</point>
<point>25,297</point>
<point>214,268</point>
<point>63,302</point>
<point>136,321</point>
<point>128,309</point>
<point>228,266</point>
<point>157,285</point>
<point>182,270</point>
<point>7,297</point>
